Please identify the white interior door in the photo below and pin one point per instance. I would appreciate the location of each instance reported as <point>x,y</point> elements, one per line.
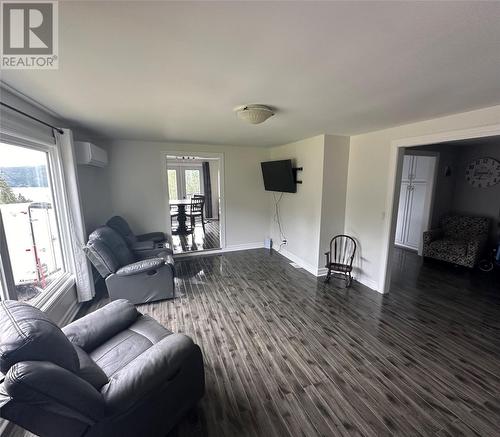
<point>403,206</point>
<point>407,167</point>
<point>415,219</point>
<point>415,200</point>
<point>422,168</point>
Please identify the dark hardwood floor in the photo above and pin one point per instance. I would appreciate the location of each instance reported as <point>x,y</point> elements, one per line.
<point>287,355</point>
<point>198,240</point>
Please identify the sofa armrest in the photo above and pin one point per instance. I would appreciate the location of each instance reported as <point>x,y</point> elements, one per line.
<point>147,373</point>
<point>141,266</point>
<point>143,245</point>
<point>475,246</point>
<point>152,236</point>
<point>95,328</point>
<point>54,389</point>
<point>432,235</point>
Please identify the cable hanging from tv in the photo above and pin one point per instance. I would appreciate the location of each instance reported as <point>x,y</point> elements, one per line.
<point>277,219</point>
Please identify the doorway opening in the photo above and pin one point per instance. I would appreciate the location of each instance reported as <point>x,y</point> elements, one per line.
<point>458,202</point>
<point>193,189</point>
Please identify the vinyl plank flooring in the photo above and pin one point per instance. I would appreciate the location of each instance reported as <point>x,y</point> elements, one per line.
<point>316,359</point>
<point>287,355</point>
<point>198,240</point>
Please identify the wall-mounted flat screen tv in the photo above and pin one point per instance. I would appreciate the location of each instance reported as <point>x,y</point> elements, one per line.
<point>278,176</point>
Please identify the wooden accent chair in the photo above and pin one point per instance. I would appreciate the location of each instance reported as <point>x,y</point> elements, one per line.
<point>339,258</point>
<point>196,210</point>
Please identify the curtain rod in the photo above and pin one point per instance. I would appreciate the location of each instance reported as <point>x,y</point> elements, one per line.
<point>32,118</point>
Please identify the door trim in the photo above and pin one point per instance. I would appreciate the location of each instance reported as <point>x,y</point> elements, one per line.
<point>222,201</point>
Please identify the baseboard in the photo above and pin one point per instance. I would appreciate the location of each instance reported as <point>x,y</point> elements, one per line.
<point>403,246</point>
<point>367,282</point>
<point>304,264</point>
<point>232,248</point>
<point>246,246</point>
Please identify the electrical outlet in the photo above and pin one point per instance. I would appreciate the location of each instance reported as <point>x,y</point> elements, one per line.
<point>284,242</point>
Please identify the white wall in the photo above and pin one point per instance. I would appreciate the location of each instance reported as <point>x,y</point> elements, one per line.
<point>476,201</point>
<point>313,215</point>
<point>137,190</point>
<point>368,191</point>
<point>301,211</point>
<point>335,166</point>
<point>214,182</point>
<point>95,194</point>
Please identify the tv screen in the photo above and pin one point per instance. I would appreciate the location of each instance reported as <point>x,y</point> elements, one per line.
<point>278,176</point>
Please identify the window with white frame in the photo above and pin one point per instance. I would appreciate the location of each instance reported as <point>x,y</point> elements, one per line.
<point>184,180</point>
<point>35,254</point>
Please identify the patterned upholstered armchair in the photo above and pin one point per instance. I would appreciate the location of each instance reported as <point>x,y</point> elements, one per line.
<point>459,240</point>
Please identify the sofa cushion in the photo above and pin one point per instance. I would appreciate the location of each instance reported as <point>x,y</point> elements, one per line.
<point>27,334</point>
<point>126,346</point>
<point>89,370</point>
<point>95,328</point>
<point>108,251</point>
<point>120,225</point>
<point>449,248</point>
<point>464,227</point>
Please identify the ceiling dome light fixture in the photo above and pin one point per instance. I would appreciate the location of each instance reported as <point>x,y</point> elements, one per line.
<point>254,114</point>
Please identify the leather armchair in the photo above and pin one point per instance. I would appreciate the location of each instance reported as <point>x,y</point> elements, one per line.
<point>459,240</point>
<point>112,372</point>
<point>150,243</point>
<point>127,275</point>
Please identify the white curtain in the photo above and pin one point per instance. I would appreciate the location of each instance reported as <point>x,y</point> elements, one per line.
<point>83,273</point>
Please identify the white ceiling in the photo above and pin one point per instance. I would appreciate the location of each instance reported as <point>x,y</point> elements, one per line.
<point>175,71</point>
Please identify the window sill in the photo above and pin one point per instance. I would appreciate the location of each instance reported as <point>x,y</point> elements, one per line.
<point>51,296</point>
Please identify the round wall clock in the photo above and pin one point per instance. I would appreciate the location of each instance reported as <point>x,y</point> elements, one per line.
<point>483,172</point>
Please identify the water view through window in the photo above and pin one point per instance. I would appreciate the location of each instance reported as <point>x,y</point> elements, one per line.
<point>29,219</point>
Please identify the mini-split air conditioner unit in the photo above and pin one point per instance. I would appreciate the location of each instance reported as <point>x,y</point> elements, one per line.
<point>89,154</point>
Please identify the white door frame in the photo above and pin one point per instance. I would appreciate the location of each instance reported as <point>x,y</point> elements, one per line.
<point>222,204</point>
<point>394,185</point>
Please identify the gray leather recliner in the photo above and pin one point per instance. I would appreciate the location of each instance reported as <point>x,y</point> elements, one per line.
<point>128,276</point>
<point>114,372</point>
<point>145,242</point>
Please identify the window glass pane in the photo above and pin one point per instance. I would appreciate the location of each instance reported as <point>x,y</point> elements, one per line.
<point>172,184</point>
<point>29,218</point>
<point>193,183</point>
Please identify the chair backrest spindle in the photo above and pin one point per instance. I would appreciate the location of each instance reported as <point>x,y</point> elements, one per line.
<point>342,249</point>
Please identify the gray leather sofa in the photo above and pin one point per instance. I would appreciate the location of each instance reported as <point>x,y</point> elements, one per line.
<point>150,243</point>
<point>127,275</point>
<point>114,372</point>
